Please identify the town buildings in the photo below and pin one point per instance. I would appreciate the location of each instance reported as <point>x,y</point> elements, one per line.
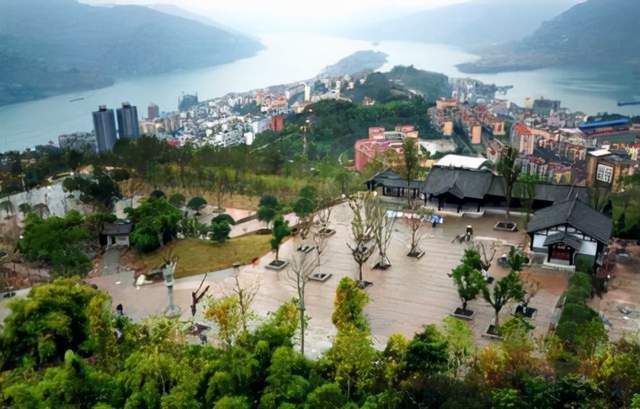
<point>104,124</point>
<point>78,141</point>
<point>128,126</point>
<point>153,111</point>
<point>383,145</point>
<point>606,169</point>
<point>474,121</point>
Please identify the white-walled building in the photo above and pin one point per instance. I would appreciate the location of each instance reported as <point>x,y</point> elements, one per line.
<point>568,229</point>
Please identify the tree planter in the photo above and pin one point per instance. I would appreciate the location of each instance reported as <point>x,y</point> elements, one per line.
<point>364,284</point>
<point>383,267</point>
<point>492,333</point>
<point>416,254</point>
<point>306,249</point>
<point>326,232</point>
<point>320,277</point>
<point>277,265</point>
<point>506,226</point>
<point>527,312</point>
<point>463,314</point>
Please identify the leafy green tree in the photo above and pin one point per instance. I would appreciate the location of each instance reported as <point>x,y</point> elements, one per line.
<point>99,189</point>
<point>460,341</point>
<point>191,227</point>
<point>279,232</point>
<point>327,396</point>
<point>268,209</point>
<point>220,231</point>
<point>25,208</point>
<point>74,384</point>
<point>352,359</point>
<point>306,203</point>
<point>348,307</point>
<point>223,218</point>
<point>287,380</point>
<point>468,278</point>
<point>394,359</point>
<point>507,289</point>
<point>508,168</point>
<point>157,194</point>
<point>73,159</point>
<point>7,207</point>
<point>155,224</point>
<point>427,352</point>
<point>177,200</point>
<point>506,399</point>
<point>516,259</point>
<point>120,175</point>
<point>52,319</point>
<point>225,312</point>
<point>58,242</point>
<point>196,204</point>
<point>149,376</point>
<point>233,402</point>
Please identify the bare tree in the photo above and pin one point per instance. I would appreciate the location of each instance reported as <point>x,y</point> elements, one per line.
<point>326,201</point>
<point>320,244</point>
<point>300,269</point>
<point>382,230</point>
<point>197,295</point>
<point>509,169</point>
<point>362,243</point>
<point>487,255</point>
<point>245,294</point>
<point>416,223</point>
<point>531,287</point>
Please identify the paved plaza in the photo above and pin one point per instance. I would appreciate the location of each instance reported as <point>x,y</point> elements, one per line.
<point>404,298</point>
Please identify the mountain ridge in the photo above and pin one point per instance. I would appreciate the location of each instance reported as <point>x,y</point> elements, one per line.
<point>52,39</point>
<point>470,25</point>
<point>592,32</point>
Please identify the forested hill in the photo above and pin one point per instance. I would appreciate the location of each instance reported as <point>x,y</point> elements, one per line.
<point>470,25</point>
<point>593,32</point>
<point>49,47</point>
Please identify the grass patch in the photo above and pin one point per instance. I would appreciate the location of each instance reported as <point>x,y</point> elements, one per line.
<point>199,256</point>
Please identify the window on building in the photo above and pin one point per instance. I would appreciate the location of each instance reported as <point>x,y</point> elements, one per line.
<point>604,174</point>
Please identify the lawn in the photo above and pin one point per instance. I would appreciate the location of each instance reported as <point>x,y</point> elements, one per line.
<point>199,256</point>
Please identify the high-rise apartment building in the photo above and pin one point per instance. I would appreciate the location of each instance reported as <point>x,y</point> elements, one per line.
<point>104,124</point>
<point>128,126</point>
<point>153,111</point>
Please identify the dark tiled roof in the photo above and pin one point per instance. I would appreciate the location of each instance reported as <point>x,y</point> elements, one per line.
<point>461,183</point>
<point>565,238</point>
<point>474,184</point>
<point>385,174</point>
<point>576,214</point>
<point>116,229</point>
<point>390,178</point>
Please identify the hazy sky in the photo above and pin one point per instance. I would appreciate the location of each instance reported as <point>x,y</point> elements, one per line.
<point>257,15</point>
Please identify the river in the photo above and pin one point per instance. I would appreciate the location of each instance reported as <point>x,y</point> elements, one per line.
<point>293,57</point>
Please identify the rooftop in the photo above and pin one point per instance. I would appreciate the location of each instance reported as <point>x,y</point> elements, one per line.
<point>576,214</point>
<point>462,162</point>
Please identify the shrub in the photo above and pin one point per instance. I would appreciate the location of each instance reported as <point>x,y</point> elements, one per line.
<point>223,218</point>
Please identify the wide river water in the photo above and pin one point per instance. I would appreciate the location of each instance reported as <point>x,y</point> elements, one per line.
<point>293,57</point>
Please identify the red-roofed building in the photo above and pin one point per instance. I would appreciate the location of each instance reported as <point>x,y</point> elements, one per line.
<point>523,139</point>
<point>381,142</point>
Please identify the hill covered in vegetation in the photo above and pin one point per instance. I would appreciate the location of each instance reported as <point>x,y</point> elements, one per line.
<point>595,32</point>
<point>49,47</point>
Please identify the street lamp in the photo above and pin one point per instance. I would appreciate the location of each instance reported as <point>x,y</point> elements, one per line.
<point>168,273</point>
